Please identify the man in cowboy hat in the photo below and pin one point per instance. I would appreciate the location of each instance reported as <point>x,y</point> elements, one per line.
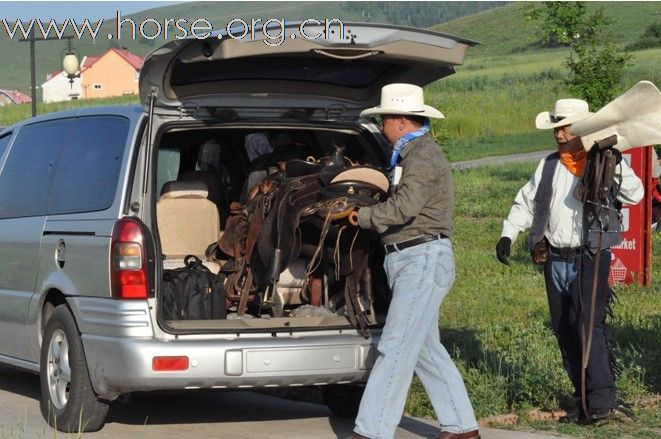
<point>547,206</point>
<point>415,224</point>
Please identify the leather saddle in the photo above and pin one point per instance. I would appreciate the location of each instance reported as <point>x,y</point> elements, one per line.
<point>300,211</point>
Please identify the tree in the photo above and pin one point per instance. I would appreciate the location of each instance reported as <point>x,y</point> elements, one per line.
<point>595,71</point>
<point>595,65</point>
<point>561,22</point>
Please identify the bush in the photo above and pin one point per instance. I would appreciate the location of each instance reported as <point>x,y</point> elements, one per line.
<point>650,39</point>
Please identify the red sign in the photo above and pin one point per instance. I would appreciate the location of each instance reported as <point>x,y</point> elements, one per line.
<point>631,260</point>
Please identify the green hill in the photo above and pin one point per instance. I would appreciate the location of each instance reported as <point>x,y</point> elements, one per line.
<point>14,73</point>
<point>505,31</point>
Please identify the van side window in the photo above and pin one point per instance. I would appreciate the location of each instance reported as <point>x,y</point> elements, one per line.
<point>26,177</point>
<point>4,141</point>
<point>88,169</point>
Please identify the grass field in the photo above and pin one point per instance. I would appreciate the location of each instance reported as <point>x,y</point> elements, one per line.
<point>495,320</point>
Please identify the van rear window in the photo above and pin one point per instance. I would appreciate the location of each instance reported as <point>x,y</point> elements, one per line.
<point>321,70</point>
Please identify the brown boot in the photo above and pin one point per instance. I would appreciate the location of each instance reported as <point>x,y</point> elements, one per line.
<point>475,434</point>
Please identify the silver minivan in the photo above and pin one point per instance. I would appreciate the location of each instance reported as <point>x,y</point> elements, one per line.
<point>96,204</point>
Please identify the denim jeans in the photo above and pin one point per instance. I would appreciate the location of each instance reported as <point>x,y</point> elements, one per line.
<point>569,306</point>
<point>420,278</point>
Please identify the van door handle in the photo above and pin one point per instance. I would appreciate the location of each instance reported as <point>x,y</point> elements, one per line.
<point>60,253</point>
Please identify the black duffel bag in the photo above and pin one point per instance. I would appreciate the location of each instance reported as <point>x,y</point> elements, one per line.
<point>193,292</point>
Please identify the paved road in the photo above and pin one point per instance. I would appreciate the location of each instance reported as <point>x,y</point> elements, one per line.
<point>203,414</point>
<point>514,158</point>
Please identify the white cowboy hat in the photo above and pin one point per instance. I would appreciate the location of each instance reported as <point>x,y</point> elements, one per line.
<point>406,99</point>
<point>566,112</point>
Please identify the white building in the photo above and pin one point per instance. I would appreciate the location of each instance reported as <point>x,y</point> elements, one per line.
<point>58,88</point>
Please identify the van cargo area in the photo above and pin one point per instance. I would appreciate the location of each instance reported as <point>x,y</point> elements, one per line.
<point>265,209</point>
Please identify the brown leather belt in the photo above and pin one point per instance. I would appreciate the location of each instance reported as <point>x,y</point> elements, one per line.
<point>567,253</point>
<point>411,242</point>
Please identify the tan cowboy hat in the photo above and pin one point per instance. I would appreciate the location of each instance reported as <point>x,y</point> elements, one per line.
<point>406,99</point>
<point>634,116</point>
<point>565,112</point>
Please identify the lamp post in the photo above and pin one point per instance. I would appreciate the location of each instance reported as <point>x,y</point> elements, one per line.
<point>70,64</point>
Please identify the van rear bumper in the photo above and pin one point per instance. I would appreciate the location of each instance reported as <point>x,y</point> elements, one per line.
<point>119,365</point>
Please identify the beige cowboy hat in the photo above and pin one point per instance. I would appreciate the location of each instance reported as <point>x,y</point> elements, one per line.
<point>406,99</point>
<point>565,112</point>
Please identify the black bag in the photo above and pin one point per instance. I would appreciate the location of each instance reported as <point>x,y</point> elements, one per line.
<point>193,292</point>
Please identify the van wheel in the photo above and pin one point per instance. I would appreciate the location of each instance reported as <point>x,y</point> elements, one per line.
<point>68,401</point>
<point>343,399</point>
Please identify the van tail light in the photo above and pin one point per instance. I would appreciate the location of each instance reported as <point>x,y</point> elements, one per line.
<point>169,364</point>
<point>128,264</point>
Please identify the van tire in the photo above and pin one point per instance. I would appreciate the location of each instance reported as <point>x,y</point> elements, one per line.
<point>69,404</point>
<point>343,399</point>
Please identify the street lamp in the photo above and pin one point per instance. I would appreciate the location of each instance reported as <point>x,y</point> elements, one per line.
<point>70,65</point>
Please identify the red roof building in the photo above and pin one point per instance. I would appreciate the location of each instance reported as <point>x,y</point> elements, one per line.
<point>8,97</point>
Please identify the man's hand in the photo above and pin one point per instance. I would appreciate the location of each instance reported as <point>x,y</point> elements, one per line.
<point>503,250</point>
<point>353,217</point>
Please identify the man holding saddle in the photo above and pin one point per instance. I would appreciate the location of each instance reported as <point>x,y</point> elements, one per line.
<point>415,224</point>
<point>574,250</point>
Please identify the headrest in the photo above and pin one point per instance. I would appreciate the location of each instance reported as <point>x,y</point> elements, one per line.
<point>208,156</point>
<point>184,189</point>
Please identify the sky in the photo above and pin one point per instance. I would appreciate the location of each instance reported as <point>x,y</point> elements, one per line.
<point>61,10</point>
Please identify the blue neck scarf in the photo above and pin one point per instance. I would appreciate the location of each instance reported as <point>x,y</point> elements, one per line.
<point>399,144</point>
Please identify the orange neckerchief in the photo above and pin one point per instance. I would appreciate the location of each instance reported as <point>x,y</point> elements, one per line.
<point>574,161</point>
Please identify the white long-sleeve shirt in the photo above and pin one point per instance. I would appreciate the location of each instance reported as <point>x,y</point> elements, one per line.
<point>566,216</point>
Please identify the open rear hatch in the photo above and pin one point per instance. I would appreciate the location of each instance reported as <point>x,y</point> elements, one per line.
<point>345,65</point>
<point>309,269</point>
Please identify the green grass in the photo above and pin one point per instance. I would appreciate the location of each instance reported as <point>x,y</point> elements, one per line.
<point>495,320</point>
<point>647,426</point>
<point>504,30</point>
<point>11,114</point>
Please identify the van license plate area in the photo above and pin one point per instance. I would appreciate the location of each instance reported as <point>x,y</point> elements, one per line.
<point>300,359</point>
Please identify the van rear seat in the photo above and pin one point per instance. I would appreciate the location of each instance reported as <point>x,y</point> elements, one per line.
<point>187,222</point>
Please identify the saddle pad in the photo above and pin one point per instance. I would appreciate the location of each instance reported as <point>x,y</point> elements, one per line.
<point>367,175</point>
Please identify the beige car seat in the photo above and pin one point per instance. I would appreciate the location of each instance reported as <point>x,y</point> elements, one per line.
<point>187,221</point>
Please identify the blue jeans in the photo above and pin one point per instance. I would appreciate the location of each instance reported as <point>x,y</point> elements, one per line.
<point>420,278</point>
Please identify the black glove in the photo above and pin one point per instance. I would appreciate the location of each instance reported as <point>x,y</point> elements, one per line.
<point>503,250</point>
